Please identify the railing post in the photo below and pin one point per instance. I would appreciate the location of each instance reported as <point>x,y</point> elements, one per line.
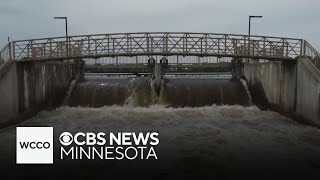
<point>287,47</point>
<point>225,44</point>
<point>108,38</point>
<point>201,44</point>
<point>96,47</point>
<point>67,46</point>
<point>10,52</point>
<point>206,43</point>
<point>303,48</point>
<point>50,44</point>
<point>89,46</point>
<point>264,47</point>
<point>13,55</point>
<point>186,43</point>
<point>128,46</point>
<point>166,43</point>
<point>219,45</point>
<point>148,43</point>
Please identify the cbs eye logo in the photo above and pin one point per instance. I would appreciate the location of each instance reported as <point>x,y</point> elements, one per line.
<point>66,138</point>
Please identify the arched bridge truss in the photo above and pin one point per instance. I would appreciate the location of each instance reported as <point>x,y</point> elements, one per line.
<point>160,44</point>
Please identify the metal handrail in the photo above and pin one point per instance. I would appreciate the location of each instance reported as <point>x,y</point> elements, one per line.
<point>312,54</point>
<point>5,53</point>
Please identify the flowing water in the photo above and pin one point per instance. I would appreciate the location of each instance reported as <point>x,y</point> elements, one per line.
<point>211,141</point>
<point>200,142</point>
<point>177,92</point>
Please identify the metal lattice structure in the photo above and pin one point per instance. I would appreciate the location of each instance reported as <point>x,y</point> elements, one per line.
<point>312,54</point>
<point>5,53</point>
<point>160,44</point>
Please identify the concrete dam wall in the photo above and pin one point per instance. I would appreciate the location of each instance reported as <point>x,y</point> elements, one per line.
<point>29,87</point>
<point>289,87</point>
<point>176,92</point>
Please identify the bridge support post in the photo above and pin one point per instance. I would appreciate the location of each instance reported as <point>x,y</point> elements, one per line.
<point>236,68</point>
<point>157,73</point>
<point>78,69</point>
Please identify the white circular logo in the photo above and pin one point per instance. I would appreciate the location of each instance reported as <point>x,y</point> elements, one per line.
<point>66,138</point>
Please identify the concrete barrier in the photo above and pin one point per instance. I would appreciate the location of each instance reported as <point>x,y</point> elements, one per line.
<point>29,87</point>
<point>308,92</point>
<point>289,87</point>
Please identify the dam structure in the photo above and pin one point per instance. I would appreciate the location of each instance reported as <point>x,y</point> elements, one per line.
<point>224,105</point>
<point>160,68</point>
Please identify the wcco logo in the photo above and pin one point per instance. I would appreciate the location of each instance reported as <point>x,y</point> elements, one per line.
<point>34,145</point>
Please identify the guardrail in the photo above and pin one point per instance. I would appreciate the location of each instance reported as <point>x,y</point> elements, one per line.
<point>6,53</point>
<point>160,44</point>
<point>312,54</point>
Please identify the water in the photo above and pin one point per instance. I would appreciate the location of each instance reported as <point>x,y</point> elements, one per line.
<point>184,91</point>
<point>198,138</point>
<point>211,141</point>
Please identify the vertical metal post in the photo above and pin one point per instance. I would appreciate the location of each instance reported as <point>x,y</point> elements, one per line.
<point>13,50</point>
<point>148,44</point>
<point>67,39</point>
<point>304,48</point>
<point>206,45</point>
<point>201,45</point>
<point>50,44</point>
<point>249,34</point>
<point>264,46</point>
<point>67,27</point>
<point>108,44</point>
<point>128,46</point>
<point>89,46</point>
<point>10,51</point>
<point>96,47</point>
<point>219,45</point>
<point>166,43</point>
<point>249,26</point>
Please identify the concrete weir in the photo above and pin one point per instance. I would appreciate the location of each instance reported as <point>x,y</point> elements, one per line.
<point>289,87</point>
<point>28,87</point>
<point>98,91</point>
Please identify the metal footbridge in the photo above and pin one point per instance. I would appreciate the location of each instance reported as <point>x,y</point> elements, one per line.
<point>164,44</point>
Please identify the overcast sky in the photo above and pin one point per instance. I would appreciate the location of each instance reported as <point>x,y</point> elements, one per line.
<point>26,19</point>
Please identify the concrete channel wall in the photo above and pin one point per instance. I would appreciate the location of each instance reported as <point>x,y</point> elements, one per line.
<point>289,87</point>
<point>308,92</point>
<point>29,87</point>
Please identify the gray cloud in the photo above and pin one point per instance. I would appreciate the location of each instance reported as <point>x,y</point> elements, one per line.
<point>24,19</point>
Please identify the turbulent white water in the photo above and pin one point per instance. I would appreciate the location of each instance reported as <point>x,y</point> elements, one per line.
<point>223,136</point>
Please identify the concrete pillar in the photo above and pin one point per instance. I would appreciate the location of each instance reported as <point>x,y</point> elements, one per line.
<point>157,73</point>
<point>78,68</point>
<point>157,77</point>
<point>236,68</point>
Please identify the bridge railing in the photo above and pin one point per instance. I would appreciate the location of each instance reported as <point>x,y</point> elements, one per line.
<point>312,54</point>
<point>162,44</point>
<point>6,53</point>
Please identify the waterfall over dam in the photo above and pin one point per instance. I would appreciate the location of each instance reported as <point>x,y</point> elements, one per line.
<point>95,91</point>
